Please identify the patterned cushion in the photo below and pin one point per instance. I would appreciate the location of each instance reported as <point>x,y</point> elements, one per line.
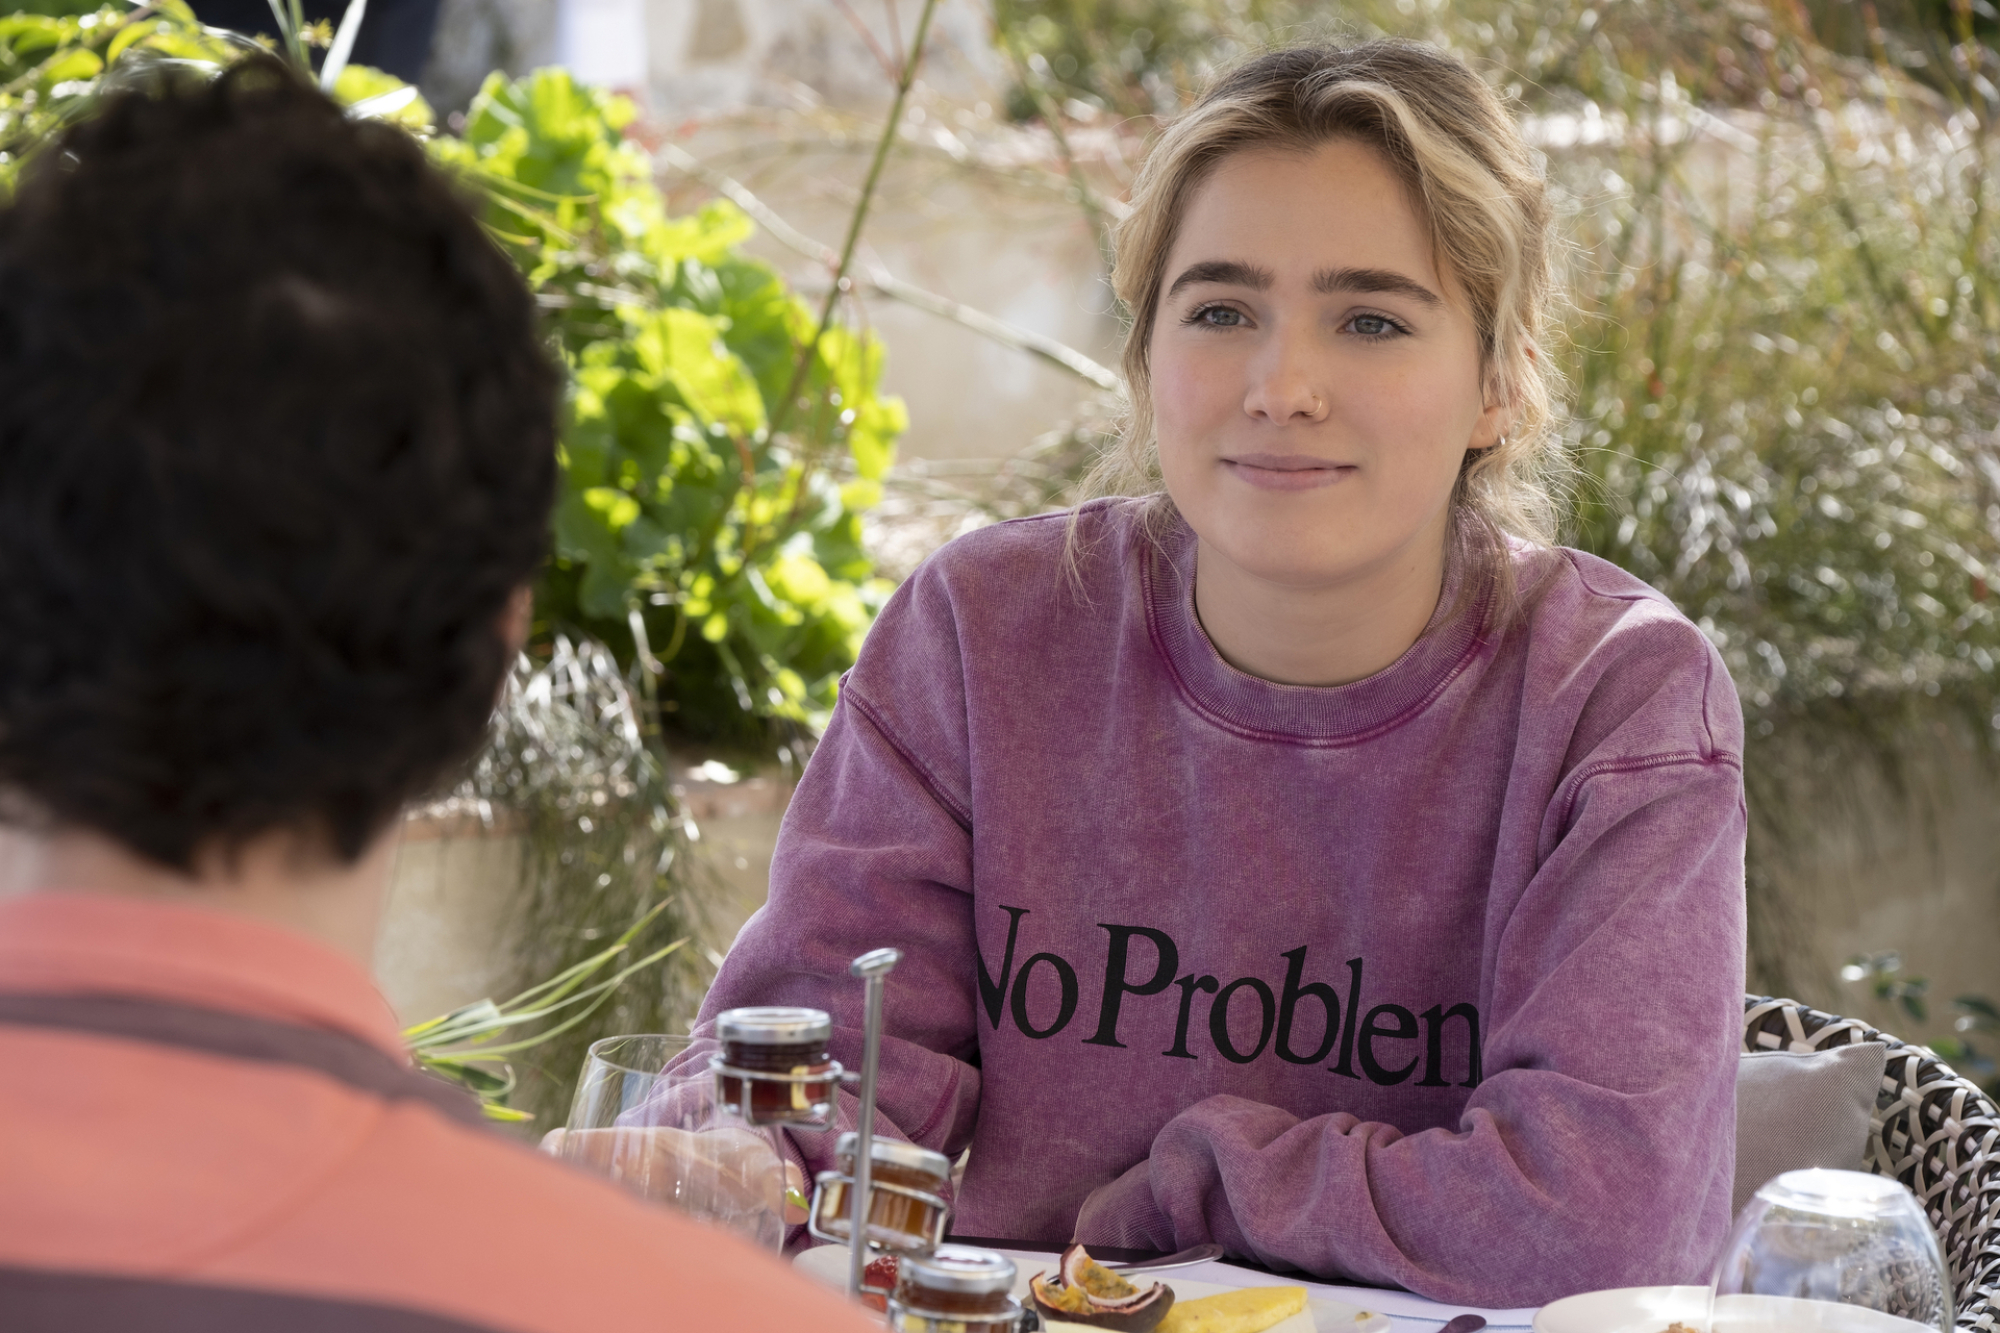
<point>1933,1130</point>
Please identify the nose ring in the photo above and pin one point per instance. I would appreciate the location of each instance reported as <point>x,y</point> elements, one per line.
<point>1319,408</point>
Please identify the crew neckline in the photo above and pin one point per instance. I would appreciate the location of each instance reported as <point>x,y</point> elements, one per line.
<point>1316,715</point>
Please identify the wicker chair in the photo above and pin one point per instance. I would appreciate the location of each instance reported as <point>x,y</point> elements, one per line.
<point>1934,1131</point>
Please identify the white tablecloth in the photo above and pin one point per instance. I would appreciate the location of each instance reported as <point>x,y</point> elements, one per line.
<point>1407,1313</point>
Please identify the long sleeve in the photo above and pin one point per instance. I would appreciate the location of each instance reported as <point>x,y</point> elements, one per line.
<point>1596,1152</point>
<point>869,857</point>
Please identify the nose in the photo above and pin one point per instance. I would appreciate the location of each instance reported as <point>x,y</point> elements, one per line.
<point>1283,387</point>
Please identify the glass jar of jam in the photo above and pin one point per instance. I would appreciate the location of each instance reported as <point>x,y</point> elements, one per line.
<point>774,1068</point>
<point>906,1208</point>
<point>956,1289</point>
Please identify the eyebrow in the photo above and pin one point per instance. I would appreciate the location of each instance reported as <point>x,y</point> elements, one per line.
<point>1330,280</point>
<point>1234,273</point>
<point>1228,272</point>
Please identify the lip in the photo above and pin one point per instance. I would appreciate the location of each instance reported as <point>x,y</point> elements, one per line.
<point>1287,472</point>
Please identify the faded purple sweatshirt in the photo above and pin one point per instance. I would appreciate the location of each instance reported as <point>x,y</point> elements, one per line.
<point>1434,979</point>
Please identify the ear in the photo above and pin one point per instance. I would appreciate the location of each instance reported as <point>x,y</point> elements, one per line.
<point>1496,419</point>
<point>516,618</point>
<point>1492,427</point>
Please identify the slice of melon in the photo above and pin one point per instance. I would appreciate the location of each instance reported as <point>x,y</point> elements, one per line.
<point>1248,1310</point>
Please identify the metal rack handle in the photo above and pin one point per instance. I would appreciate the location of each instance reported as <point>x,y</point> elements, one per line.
<point>871,968</point>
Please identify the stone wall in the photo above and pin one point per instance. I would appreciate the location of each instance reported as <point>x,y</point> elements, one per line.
<point>1904,858</point>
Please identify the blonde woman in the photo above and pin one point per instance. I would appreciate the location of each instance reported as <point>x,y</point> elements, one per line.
<point>1304,853</point>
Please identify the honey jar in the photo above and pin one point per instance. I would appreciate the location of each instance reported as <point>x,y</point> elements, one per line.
<point>955,1289</point>
<point>774,1068</point>
<point>906,1208</point>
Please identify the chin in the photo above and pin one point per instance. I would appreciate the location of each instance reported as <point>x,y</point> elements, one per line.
<point>1298,563</point>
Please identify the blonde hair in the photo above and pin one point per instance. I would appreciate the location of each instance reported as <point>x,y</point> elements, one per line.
<point>1478,187</point>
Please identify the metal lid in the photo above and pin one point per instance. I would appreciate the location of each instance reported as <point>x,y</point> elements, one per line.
<point>958,1268</point>
<point>774,1027</point>
<point>895,1153</point>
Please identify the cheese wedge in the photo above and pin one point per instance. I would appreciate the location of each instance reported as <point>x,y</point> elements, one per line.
<point>1248,1310</point>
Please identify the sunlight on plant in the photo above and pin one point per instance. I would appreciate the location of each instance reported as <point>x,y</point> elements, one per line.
<point>722,557</point>
<point>465,1046</point>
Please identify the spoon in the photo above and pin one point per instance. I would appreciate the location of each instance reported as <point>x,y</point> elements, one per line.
<point>1199,1254</point>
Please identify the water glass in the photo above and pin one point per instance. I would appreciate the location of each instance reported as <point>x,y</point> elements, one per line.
<point>644,1115</point>
<point>1832,1250</point>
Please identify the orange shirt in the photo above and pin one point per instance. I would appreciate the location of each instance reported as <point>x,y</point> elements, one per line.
<point>208,1123</point>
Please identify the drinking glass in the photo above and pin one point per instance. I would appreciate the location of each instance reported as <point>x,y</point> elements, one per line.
<point>644,1115</point>
<point>1832,1250</point>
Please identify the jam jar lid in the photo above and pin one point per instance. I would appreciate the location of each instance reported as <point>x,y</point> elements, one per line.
<point>959,1268</point>
<point>895,1152</point>
<point>774,1027</point>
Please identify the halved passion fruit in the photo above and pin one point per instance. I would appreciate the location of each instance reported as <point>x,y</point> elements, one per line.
<point>1086,1292</point>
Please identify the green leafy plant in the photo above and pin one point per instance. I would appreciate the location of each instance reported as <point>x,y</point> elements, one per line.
<point>723,439</point>
<point>466,1046</point>
<point>721,555</point>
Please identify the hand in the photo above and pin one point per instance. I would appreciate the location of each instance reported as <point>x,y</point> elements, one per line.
<point>717,1174</point>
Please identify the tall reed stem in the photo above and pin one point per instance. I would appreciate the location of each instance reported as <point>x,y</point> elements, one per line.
<point>854,225</point>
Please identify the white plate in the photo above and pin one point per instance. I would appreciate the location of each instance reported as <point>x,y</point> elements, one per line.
<point>1625,1310</point>
<point>828,1264</point>
<point>1651,1309</point>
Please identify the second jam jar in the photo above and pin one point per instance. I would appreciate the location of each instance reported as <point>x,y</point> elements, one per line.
<point>787,1076</point>
<point>906,1208</point>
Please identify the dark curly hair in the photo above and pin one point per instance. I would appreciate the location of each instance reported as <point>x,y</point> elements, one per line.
<point>277,444</point>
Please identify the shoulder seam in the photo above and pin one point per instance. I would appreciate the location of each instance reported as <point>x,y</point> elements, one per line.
<point>1639,764</point>
<point>1647,594</point>
<point>959,814</point>
<point>1707,694</point>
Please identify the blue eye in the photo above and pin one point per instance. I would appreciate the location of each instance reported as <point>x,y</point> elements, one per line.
<point>1372,326</point>
<point>1215,317</point>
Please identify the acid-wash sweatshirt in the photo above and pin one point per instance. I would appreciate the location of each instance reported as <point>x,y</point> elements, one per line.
<point>1434,979</point>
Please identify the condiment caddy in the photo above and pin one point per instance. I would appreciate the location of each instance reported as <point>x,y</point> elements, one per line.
<point>775,1071</point>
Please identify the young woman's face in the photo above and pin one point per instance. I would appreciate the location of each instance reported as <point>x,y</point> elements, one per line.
<point>1316,380</point>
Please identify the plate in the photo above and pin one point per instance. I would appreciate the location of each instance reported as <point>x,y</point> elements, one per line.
<point>1651,1309</point>
<point>1625,1310</point>
<point>827,1264</point>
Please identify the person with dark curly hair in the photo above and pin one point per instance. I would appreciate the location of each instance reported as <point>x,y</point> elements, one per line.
<point>277,438</point>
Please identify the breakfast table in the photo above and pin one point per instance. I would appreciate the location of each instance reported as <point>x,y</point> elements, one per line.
<point>1405,1313</point>
<point>1333,1307</point>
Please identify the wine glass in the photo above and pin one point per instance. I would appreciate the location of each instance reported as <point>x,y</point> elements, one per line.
<point>1832,1250</point>
<point>645,1116</point>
